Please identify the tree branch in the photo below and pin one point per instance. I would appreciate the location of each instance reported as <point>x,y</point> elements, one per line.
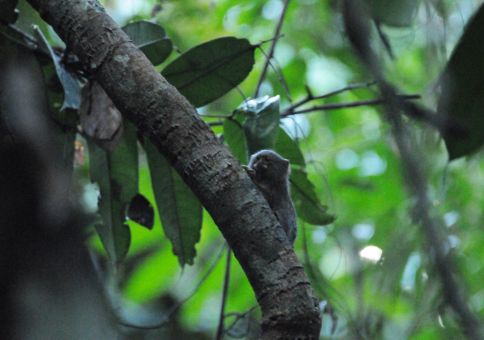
<point>160,112</point>
<point>336,106</point>
<point>310,97</point>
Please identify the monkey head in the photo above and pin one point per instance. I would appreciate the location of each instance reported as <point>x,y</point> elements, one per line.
<point>267,167</point>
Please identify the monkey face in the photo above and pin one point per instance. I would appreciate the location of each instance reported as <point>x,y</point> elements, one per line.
<point>269,166</point>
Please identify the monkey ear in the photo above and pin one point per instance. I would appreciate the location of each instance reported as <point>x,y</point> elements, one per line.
<point>287,163</point>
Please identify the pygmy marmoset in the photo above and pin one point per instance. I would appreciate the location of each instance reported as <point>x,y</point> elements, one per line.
<point>270,173</point>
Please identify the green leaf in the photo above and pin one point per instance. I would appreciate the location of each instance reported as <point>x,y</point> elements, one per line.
<point>462,97</point>
<point>303,193</point>
<point>29,18</point>
<point>289,148</point>
<point>399,13</point>
<point>307,204</point>
<point>208,71</point>
<point>116,173</point>
<point>72,90</point>
<point>8,14</point>
<point>180,210</point>
<point>262,123</point>
<point>151,39</point>
<point>235,137</point>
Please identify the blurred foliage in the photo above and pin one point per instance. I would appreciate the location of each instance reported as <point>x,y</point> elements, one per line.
<point>347,155</point>
<point>350,159</point>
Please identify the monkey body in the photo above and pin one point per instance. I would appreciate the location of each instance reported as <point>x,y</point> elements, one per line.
<point>270,173</point>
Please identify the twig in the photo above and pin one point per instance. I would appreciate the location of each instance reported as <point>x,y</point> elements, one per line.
<point>336,106</point>
<point>238,316</point>
<point>220,328</point>
<point>280,76</point>
<point>273,47</point>
<point>309,97</point>
<point>384,39</point>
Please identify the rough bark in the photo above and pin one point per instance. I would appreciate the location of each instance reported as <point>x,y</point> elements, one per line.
<point>160,112</point>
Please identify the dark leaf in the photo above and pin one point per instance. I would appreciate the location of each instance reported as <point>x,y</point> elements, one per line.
<point>141,211</point>
<point>116,173</point>
<point>307,203</point>
<point>180,210</point>
<point>262,123</point>
<point>72,90</point>
<point>100,119</point>
<point>151,39</point>
<point>8,13</point>
<point>208,71</point>
<point>235,137</point>
<point>289,148</point>
<point>462,97</point>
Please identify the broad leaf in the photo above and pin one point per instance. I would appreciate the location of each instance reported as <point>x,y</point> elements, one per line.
<point>179,209</point>
<point>116,173</point>
<point>235,137</point>
<point>307,203</point>
<point>398,13</point>
<point>289,148</point>
<point>29,19</point>
<point>208,71</point>
<point>462,97</point>
<point>262,123</point>
<point>151,39</point>
<point>72,90</point>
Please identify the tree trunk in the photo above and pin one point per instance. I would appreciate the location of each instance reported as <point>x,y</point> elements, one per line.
<point>161,113</point>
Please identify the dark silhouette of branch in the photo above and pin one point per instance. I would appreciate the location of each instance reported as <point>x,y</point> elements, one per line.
<point>356,23</point>
<point>310,97</point>
<point>273,47</point>
<point>384,39</point>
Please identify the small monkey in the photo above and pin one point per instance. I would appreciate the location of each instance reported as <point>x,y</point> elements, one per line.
<point>270,173</point>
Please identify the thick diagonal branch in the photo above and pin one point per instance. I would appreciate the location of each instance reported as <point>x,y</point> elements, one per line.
<point>167,118</point>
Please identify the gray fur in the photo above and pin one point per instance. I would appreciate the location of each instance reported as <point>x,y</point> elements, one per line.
<point>270,172</point>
